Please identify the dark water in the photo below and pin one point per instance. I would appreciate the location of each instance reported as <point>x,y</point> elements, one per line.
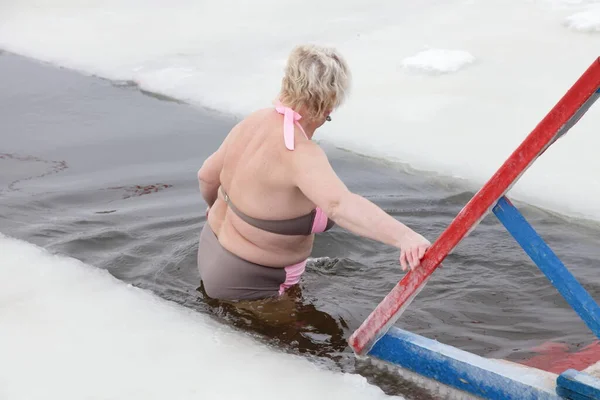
<point>105,173</point>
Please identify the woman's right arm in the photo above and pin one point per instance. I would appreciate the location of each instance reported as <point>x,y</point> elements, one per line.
<point>315,177</point>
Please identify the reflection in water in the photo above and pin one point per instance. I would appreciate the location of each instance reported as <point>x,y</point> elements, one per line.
<point>289,321</point>
<point>295,325</point>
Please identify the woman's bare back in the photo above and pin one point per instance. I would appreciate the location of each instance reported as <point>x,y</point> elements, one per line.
<point>258,178</point>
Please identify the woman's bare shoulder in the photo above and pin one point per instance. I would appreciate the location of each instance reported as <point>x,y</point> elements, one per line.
<point>259,114</point>
<point>250,119</point>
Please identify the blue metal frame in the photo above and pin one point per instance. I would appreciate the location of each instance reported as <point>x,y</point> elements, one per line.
<point>567,285</point>
<point>462,370</point>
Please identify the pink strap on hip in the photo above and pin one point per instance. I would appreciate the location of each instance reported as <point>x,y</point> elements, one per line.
<point>292,275</point>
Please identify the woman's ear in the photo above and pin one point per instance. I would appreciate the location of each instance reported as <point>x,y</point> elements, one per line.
<point>328,116</point>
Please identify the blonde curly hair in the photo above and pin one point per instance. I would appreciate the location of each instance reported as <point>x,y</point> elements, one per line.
<point>316,79</point>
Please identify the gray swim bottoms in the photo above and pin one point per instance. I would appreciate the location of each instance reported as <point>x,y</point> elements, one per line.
<point>226,276</point>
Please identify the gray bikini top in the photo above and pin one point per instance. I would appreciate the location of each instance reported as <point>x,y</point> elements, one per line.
<point>302,225</point>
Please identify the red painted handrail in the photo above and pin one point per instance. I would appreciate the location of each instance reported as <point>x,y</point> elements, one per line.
<point>544,134</point>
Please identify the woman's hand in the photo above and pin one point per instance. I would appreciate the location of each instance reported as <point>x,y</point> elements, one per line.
<point>412,249</point>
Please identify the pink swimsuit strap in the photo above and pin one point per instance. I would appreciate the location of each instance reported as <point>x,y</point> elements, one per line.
<point>290,118</point>
<point>293,273</point>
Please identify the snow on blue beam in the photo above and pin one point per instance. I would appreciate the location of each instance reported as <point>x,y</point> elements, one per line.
<point>583,385</point>
<point>570,289</point>
<point>488,379</point>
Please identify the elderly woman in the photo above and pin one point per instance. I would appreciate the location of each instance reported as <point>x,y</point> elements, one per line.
<point>270,188</point>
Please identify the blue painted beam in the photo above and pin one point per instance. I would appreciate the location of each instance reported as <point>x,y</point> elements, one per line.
<point>570,289</point>
<point>582,384</point>
<point>462,370</point>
